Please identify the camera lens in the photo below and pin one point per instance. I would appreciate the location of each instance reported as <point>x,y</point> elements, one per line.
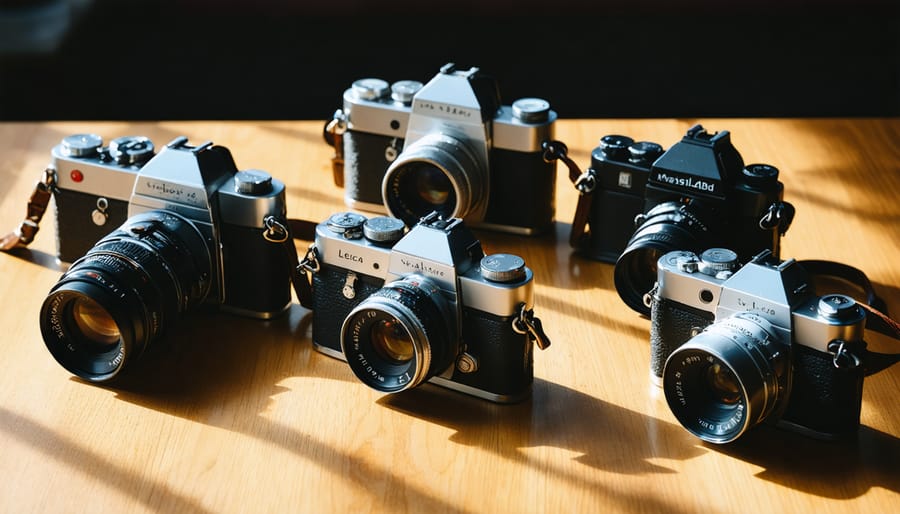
<point>431,186</point>
<point>400,336</point>
<point>723,385</point>
<point>727,379</point>
<point>667,227</point>
<point>436,173</point>
<point>94,323</point>
<point>392,342</point>
<point>118,298</point>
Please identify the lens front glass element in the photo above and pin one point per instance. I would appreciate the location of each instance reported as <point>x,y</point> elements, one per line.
<point>422,188</point>
<point>722,385</point>
<point>391,341</point>
<point>438,172</point>
<point>94,323</point>
<point>705,396</point>
<point>400,336</point>
<point>668,227</point>
<point>433,186</point>
<point>125,292</point>
<point>726,379</point>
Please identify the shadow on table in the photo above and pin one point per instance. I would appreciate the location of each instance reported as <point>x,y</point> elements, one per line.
<point>839,470</point>
<point>605,436</point>
<point>38,258</point>
<point>54,445</point>
<point>211,358</point>
<point>223,371</point>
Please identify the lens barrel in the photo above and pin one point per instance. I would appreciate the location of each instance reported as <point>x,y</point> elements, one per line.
<point>124,293</point>
<point>728,378</point>
<point>400,336</point>
<point>436,173</point>
<point>667,227</point>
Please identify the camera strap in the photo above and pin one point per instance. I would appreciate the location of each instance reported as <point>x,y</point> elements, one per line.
<point>877,319</point>
<point>873,362</point>
<point>837,271</point>
<point>284,232</point>
<point>334,135</point>
<point>24,234</point>
<point>584,183</point>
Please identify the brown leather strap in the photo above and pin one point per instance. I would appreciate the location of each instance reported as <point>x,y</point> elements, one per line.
<point>334,136</point>
<point>584,182</point>
<point>37,206</point>
<point>883,323</point>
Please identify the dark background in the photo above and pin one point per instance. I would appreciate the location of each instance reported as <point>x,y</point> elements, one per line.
<point>271,59</point>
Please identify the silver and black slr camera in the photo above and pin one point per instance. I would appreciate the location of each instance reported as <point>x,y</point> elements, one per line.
<point>424,306</point>
<point>194,230</point>
<point>738,346</point>
<point>695,195</point>
<point>448,146</point>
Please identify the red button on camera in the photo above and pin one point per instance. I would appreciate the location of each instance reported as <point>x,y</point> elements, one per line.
<point>76,176</point>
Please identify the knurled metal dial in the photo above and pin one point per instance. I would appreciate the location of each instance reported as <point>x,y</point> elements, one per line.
<point>81,145</point>
<point>503,267</point>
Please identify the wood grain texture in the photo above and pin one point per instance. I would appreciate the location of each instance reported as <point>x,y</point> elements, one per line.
<point>233,415</point>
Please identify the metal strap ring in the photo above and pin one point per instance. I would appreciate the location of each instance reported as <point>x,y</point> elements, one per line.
<point>275,231</point>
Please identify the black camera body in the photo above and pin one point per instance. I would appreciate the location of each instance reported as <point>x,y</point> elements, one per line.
<point>194,232</point>
<point>737,346</point>
<point>424,306</point>
<point>620,168</point>
<point>448,146</point>
<point>695,195</point>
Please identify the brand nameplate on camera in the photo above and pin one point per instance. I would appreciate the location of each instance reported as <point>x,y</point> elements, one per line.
<point>755,305</point>
<point>423,267</point>
<point>685,182</point>
<point>446,110</point>
<point>347,256</point>
<point>172,192</point>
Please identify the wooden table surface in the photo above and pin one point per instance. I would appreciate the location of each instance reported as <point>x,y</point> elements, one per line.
<point>244,416</point>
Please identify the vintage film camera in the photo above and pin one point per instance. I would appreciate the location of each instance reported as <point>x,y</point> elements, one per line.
<point>696,195</point>
<point>424,306</point>
<point>738,346</point>
<point>196,233</point>
<point>448,146</point>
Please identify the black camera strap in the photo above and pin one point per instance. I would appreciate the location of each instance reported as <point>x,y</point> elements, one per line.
<point>24,234</point>
<point>873,362</point>
<point>284,232</point>
<point>877,319</point>
<point>584,183</point>
<point>830,270</point>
